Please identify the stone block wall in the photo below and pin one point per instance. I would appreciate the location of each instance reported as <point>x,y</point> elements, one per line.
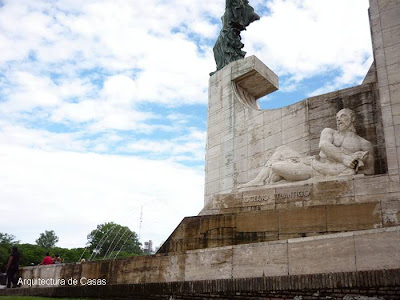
<point>241,139</point>
<point>374,249</point>
<point>344,285</point>
<point>385,32</point>
<point>299,210</point>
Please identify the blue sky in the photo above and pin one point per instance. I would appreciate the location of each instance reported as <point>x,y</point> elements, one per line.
<point>103,104</point>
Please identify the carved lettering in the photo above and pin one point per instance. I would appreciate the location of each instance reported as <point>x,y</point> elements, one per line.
<point>258,198</point>
<point>292,195</point>
<point>280,196</point>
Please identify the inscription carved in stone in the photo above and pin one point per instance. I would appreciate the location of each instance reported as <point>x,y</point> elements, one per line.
<point>277,196</point>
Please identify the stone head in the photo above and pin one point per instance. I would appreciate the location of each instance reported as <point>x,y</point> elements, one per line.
<point>345,120</point>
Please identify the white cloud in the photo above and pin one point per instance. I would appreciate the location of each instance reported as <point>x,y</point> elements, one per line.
<point>71,193</point>
<point>310,37</point>
<point>184,148</point>
<point>17,135</point>
<point>30,92</point>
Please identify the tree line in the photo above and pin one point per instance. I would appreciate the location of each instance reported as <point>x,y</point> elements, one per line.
<point>107,241</point>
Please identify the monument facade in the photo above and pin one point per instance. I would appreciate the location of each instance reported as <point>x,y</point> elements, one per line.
<point>325,165</point>
<point>300,200</point>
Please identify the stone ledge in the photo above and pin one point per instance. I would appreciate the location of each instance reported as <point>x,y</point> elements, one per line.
<point>382,283</point>
<point>254,76</point>
<point>350,252</point>
<point>313,192</point>
<point>255,226</point>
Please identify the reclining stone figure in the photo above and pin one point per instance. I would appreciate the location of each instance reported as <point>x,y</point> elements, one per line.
<point>342,152</point>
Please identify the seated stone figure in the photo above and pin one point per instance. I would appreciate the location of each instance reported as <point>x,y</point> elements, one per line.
<point>342,152</point>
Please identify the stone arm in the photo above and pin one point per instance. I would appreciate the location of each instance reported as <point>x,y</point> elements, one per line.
<point>369,164</point>
<point>330,150</point>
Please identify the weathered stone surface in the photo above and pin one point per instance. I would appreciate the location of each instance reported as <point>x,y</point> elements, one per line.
<point>302,221</point>
<point>242,139</point>
<point>172,268</point>
<point>391,211</point>
<point>259,221</point>
<point>288,217</point>
<point>322,255</point>
<point>377,251</point>
<point>255,77</point>
<point>209,264</point>
<point>341,252</point>
<point>390,18</point>
<point>332,192</point>
<point>385,5</point>
<point>262,259</point>
<point>228,200</point>
<point>250,146</point>
<point>259,197</point>
<point>376,284</point>
<point>353,217</point>
<point>288,194</point>
<point>52,272</point>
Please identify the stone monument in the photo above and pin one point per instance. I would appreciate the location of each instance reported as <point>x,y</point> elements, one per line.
<point>303,200</point>
<point>325,167</point>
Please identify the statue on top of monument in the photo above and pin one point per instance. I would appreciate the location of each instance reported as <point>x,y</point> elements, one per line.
<point>228,47</point>
<point>342,152</point>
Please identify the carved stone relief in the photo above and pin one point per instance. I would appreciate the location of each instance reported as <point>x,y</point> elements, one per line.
<point>342,152</point>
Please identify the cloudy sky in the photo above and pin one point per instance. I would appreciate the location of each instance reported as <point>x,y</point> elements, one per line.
<point>103,102</point>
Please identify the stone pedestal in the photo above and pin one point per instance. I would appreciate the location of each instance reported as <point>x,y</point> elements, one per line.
<point>385,28</point>
<point>242,137</point>
<point>233,95</point>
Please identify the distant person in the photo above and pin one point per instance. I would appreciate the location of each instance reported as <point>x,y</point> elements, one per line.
<point>47,260</point>
<point>12,267</point>
<point>57,259</point>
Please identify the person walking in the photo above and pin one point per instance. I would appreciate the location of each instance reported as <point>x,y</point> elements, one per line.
<point>12,267</point>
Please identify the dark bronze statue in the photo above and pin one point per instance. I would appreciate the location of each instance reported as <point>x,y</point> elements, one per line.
<point>228,48</point>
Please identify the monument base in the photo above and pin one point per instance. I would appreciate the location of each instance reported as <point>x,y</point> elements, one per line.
<point>282,212</point>
<point>335,265</point>
<point>346,285</point>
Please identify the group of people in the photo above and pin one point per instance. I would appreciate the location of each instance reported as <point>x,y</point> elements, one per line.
<point>48,260</point>
<point>13,265</point>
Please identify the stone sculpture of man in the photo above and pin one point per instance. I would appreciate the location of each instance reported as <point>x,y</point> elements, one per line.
<point>342,152</point>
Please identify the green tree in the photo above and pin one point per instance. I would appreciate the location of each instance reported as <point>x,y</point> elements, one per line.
<point>47,240</point>
<point>30,254</point>
<point>6,242</point>
<point>111,240</point>
<point>33,254</point>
